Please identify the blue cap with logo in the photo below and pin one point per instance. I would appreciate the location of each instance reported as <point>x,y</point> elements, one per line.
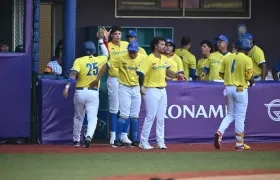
<point>89,47</point>
<point>222,38</point>
<point>243,44</point>
<point>132,33</point>
<point>248,36</point>
<point>133,46</point>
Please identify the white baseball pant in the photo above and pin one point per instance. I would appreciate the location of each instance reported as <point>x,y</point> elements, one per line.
<point>236,110</point>
<point>85,101</point>
<point>113,86</point>
<point>130,99</point>
<point>156,104</point>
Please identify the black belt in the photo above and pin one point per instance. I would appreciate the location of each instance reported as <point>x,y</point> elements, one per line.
<point>81,88</point>
<point>160,87</point>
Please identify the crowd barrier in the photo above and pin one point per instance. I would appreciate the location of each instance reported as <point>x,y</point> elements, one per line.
<point>194,113</point>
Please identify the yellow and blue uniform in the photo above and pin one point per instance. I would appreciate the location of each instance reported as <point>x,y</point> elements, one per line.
<point>213,65</point>
<point>127,68</point>
<point>189,62</point>
<point>237,70</point>
<point>88,68</point>
<point>116,51</point>
<point>176,64</point>
<point>257,56</point>
<point>200,66</point>
<point>154,69</point>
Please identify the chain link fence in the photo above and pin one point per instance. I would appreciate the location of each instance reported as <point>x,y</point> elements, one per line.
<point>12,26</point>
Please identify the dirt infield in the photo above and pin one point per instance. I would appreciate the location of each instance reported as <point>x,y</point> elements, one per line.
<point>98,148</point>
<point>224,175</point>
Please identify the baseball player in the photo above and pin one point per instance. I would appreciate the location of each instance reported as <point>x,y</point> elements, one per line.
<point>131,36</point>
<point>152,73</point>
<point>276,71</point>
<point>175,60</point>
<point>116,48</point>
<point>213,63</point>
<point>206,49</point>
<point>236,70</point>
<point>259,63</point>
<point>86,98</point>
<point>189,61</point>
<point>129,91</point>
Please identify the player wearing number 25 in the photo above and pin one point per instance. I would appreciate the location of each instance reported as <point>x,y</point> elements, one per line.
<point>128,93</point>
<point>86,98</point>
<point>236,70</point>
<point>152,74</point>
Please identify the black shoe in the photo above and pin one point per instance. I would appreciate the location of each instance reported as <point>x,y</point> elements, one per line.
<point>87,142</point>
<point>135,143</point>
<point>76,143</point>
<point>118,144</point>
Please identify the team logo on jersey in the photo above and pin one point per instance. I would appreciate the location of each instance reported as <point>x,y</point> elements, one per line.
<point>273,110</point>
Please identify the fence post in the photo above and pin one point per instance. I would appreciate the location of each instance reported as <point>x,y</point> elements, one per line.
<point>35,66</point>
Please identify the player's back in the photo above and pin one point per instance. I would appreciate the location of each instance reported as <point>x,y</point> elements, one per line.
<point>257,56</point>
<point>189,60</point>
<point>88,68</point>
<point>235,67</point>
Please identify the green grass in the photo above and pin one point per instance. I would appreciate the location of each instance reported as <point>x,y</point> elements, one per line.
<point>88,166</point>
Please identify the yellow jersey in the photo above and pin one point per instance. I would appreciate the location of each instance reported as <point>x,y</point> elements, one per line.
<point>189,62</point>
<point>127,68</point>
<point>154,70</point>
<point>176,64</point>
<point>257,56</point>
<point>200,65</point>
<point>237,70</point>
<point>115,51</point>
<point>142,51</point>
<point>88,68</point>
<point>213,65</point>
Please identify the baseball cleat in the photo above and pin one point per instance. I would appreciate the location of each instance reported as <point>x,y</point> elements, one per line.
<point>162,146</point>
<point>217,140</point>
<point>125,140</point>
<point>246,147</point>
<point>145,146</point>
<point>120,144</point>
<point>87,142</point>
<point>76,143</point>
<point>135,144</point>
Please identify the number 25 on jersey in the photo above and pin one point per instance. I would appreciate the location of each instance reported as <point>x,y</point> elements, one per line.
<point>92,69</point>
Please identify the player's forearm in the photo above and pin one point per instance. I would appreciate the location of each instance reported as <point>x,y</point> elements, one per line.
<point>249,74</point>
<point>72,78</point>
<point>171,74</point>
<point>103,48</point>
<point>274,74</point>
<point>141,79</point>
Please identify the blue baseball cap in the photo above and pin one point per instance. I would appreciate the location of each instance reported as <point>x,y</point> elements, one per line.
<point>244,44</point>
<point>168,40</point>
<point>133,46</point>
<point>248,36</point>
<point>89,47</point>
<point>222,38</point>
<point>132,33</point>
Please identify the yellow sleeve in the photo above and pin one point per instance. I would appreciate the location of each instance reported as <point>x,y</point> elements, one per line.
<point>179,63</point>
<point>192,62</point>
<point>144,66</point>
<point>76,66</point>
<point>197,68</point>
<point>143,52</point>
<point>259,57</point>
<point>222,69</point>
<point>248,69</point>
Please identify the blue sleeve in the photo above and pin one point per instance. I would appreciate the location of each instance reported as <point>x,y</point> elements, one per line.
<point>206,70</point>
<point>192,73</point>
